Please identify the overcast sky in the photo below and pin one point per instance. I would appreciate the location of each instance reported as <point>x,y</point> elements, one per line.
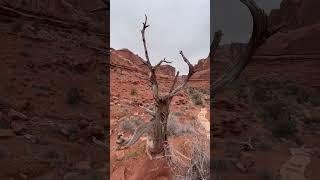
<point>179,25</point>
<point>174,25</point>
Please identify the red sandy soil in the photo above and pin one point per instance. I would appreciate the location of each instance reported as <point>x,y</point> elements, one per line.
<point>124,80</point>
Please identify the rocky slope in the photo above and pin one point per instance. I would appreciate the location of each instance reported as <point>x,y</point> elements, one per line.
<point>53,86</point>
<point>296,13</point>
<point>267,111</point>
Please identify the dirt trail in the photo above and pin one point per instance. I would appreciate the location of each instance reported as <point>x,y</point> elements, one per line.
<point>295,167</point>
<point>204,121</point>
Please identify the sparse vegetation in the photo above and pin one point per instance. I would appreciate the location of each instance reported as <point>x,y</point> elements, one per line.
<point>135,154</point>
<point>196,95</point>
<point>276,104</point>
<point>175,128</point>
<point>197,166</point>
<point>133,92</point>
<point>130,124</point>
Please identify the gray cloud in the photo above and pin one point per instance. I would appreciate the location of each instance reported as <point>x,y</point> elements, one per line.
<point>174,25</point>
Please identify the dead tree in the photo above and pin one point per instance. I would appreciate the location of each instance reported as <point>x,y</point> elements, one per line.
<point>261,31</point>
<point>157,127</point>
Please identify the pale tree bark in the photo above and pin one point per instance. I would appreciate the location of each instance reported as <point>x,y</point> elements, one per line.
<point>157,127</point>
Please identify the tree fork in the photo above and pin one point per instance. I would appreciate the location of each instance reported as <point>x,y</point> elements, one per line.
<point>158,128</point>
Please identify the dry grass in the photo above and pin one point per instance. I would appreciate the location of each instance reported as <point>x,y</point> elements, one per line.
<point>194,166</point>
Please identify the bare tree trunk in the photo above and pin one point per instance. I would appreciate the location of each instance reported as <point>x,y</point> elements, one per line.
<point>157,127</point>
<point>159,134</point>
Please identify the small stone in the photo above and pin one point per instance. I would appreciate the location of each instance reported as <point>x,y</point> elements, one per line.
<point>6,133</point>
<point>83,123</point>
<point>119,155</point>
<point>31,138</point>
<point>15,115</point>
<point>18,128</point>
<point>240,166</point>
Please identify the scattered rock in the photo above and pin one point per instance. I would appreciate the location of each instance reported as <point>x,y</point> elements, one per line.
<point>33,139</point>
<point>181,102</point>
<point>69,130</point>
<point>119,155</point>
<point>6,133</point>
<point>15,115</point>
<point>23,176</point>
<point>118,174</point>
<point>83,123</point>
<point>18,128</point>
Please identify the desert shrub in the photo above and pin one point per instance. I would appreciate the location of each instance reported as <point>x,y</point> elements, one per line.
<point>175,128</point>
<point>195,95</point>
<point>130,124</point>
<point>133,92</point>
<point>197,165</point>
<point>74,96</point>
<point>177,113</point>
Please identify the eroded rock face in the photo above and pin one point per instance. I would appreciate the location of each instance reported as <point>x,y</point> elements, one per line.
<point>166,70</point>
<point>296,13</point>
<point>68,10</point>
<point>130,61</point>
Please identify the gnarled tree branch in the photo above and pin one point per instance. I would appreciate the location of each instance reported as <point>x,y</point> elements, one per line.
<point>152,113</point>
<point>174,82</point>
<point>162,61</point>
<point>191,72</point>
<point>136,135</point>
<point>259,34</point>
